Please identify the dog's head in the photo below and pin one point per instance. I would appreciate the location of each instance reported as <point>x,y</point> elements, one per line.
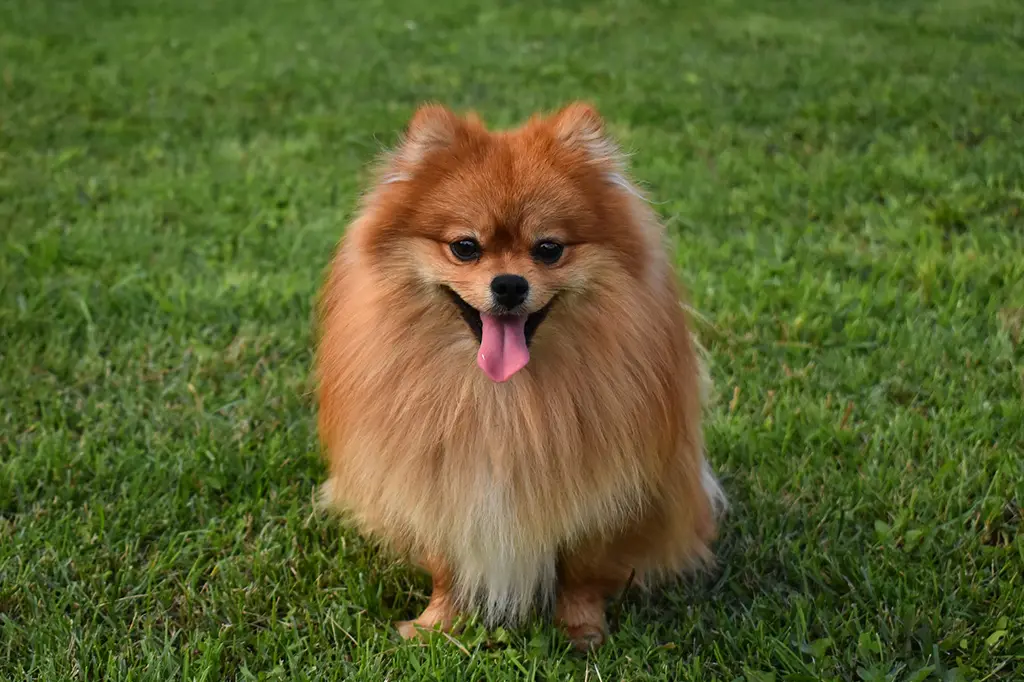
<point>508,227</point>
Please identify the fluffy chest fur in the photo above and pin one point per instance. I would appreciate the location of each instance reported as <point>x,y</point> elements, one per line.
<point>498,565</point>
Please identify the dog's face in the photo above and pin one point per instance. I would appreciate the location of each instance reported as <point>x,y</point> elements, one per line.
<point>509,226</point>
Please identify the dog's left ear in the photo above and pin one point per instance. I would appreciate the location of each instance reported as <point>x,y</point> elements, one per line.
<point>579,127</point>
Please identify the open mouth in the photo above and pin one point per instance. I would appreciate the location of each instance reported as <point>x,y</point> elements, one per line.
<point>472,317</point>
<point>504,339</point>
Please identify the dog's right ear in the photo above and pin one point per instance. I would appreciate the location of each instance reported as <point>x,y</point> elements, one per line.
<point>433,128</point>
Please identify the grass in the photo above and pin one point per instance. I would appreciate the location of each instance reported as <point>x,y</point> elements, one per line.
<point>843,183</point>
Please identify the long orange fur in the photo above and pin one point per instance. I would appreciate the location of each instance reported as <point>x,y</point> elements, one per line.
<point>589,463</point>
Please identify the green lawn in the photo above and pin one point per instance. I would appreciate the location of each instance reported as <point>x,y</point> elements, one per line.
<point>843,183</point>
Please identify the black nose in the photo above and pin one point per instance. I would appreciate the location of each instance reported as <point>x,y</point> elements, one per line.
<point>509,290</point>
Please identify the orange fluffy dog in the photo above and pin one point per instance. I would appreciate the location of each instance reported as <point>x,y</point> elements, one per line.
<point>509,393</point>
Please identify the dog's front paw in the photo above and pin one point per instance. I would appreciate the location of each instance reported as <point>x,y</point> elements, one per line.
<point>407,629</point>
<point>586,637</point>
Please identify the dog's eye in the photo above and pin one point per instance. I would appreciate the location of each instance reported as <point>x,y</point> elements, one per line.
<point>465,249</point>
<point>547,251</point>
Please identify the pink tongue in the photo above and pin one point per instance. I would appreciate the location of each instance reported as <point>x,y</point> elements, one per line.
<point>503,349</point>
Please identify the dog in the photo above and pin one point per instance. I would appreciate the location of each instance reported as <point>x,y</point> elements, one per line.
<point>509,392</point>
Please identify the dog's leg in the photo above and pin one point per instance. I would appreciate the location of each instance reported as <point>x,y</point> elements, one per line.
<point>587,579</point>
<point>441,611</point>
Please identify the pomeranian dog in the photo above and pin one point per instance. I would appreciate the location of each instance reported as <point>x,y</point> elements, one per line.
<point>509,394</point>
